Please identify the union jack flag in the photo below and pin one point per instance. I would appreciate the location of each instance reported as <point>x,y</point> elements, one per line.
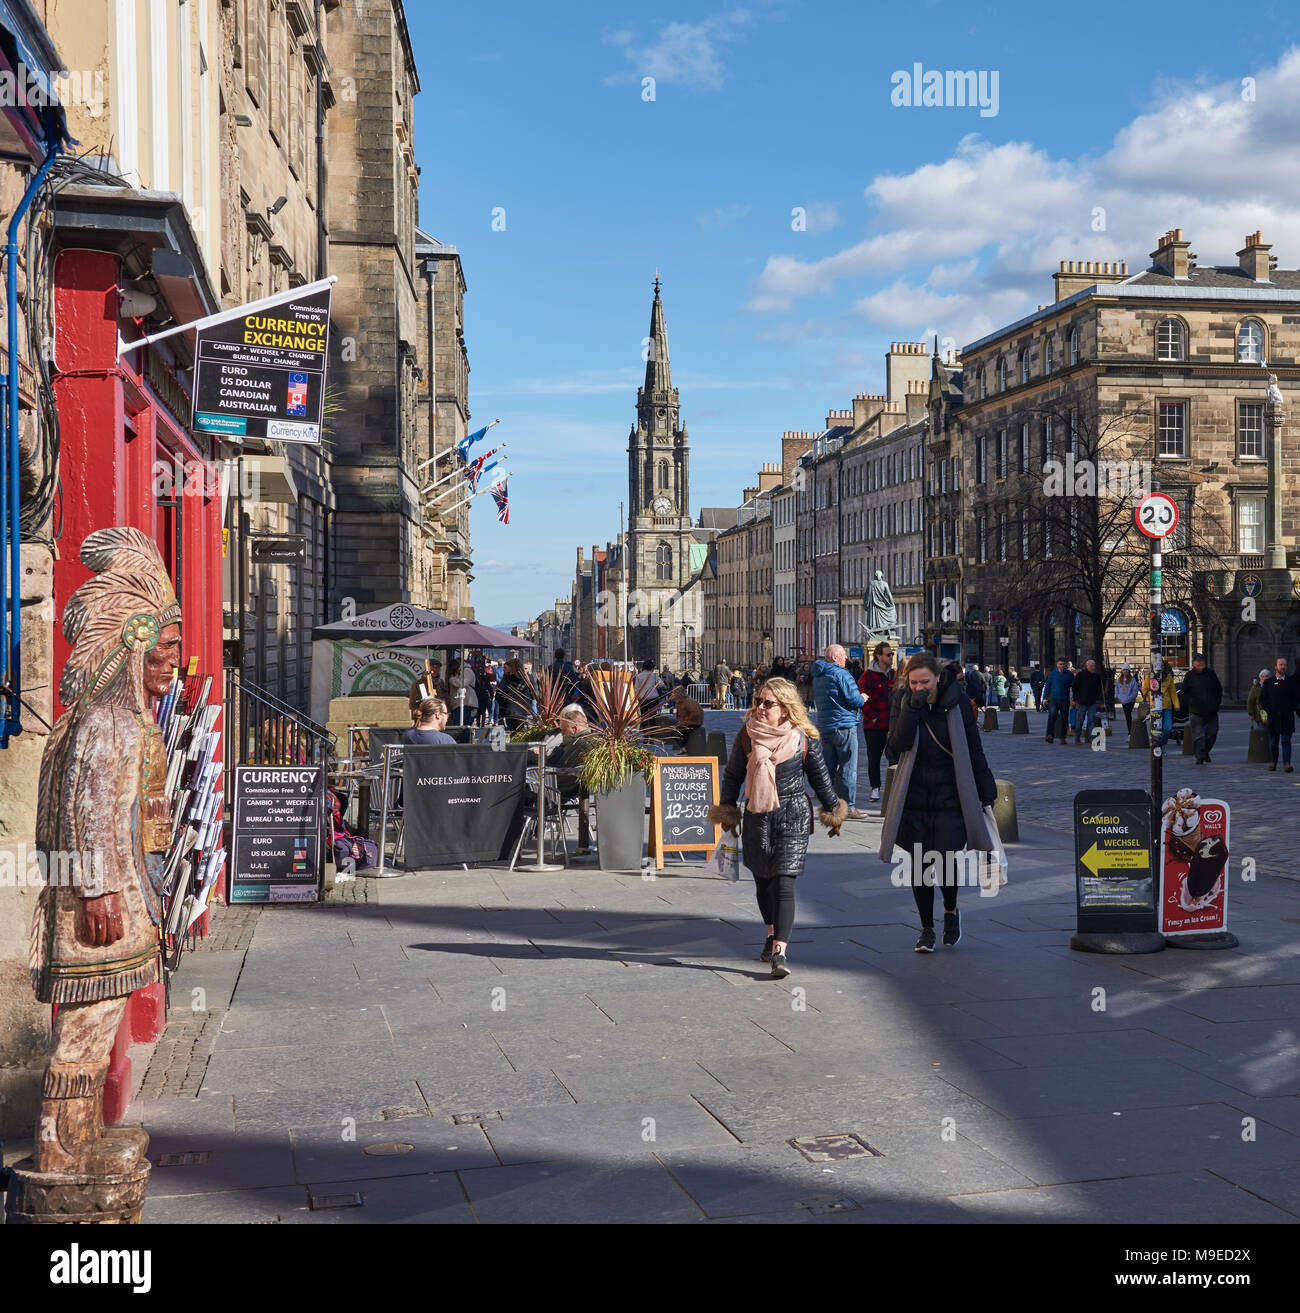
<point>476,469</point>
<point>502,499</point>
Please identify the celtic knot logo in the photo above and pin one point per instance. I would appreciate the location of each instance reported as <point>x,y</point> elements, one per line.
<point>401,617</point>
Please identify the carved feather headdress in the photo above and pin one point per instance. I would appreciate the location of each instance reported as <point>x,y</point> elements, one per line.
<point>122,610</point>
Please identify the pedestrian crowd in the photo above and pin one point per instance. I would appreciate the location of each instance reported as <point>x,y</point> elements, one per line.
<point>922,720</point>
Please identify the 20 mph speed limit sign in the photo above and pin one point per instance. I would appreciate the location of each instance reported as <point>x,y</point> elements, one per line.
<point>1157,515</point>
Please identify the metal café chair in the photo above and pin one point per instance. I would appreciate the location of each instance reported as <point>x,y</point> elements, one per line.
<point>390,809</point>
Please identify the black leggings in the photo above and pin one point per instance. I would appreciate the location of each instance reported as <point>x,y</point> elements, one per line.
<point>776,904</point>
<point>924,895</point>
<point>1128,714</point>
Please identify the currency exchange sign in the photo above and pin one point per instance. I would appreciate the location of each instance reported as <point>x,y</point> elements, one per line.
<point>261,373</point>
<point>1114,874</point>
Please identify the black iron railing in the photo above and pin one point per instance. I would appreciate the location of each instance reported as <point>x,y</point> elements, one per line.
<point>263,730</point>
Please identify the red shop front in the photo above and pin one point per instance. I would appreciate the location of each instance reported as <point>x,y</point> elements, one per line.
<point>127,458</point>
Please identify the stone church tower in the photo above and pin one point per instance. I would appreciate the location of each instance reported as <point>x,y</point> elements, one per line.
<point>659,537</point>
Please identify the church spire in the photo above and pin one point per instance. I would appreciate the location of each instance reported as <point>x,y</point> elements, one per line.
<point>658,376</point>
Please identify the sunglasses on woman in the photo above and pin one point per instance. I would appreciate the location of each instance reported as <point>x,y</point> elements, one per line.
<point>766,702</point>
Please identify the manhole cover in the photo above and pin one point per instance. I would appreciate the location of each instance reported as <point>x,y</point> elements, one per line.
<point>322,1201</point>
<point>472,1118</point>
<point>833,1148</point>
<point>194,1159</point>
<point>388,1149</point>
<point>396,1114</point>
<point>825,1204</point>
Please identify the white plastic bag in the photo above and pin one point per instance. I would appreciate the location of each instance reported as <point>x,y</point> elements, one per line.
<point>992,875</point>
<point>725,858</point>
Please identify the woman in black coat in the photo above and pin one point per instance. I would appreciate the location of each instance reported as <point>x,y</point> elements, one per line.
<point>774,753</point>
<point>937,812</point>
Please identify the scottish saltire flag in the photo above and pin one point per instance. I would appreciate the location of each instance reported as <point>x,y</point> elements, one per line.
<point>477,470</point>
<point>502,499</point>
<point>463,446</point>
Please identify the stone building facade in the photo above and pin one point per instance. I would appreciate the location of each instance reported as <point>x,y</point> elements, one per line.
<point>1163,378</point>
<point>276,89</point>
<point>379,433</point>
<point>443,568</point>
<point>784,569</point>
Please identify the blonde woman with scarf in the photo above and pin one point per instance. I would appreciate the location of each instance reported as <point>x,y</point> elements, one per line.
<point>774,753</point>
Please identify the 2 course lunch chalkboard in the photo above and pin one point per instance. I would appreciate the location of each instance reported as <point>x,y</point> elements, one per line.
<point>277,842</point>
<point>684,790</point>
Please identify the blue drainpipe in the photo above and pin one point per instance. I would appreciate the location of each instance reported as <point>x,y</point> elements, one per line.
<point>9,479</point>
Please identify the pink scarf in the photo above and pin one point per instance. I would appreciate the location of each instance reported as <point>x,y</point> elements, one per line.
<point>768,746</point>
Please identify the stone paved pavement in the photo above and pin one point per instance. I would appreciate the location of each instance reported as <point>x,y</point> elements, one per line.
<point>485,1047</point>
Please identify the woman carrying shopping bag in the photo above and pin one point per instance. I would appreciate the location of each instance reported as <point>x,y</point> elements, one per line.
<point>942,783</point>
<point>774,753</point>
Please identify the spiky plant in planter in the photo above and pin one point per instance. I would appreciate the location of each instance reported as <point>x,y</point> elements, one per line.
<point>548,693</point>
<point>620,749</point>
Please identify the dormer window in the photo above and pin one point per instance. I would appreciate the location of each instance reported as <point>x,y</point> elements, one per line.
<point>1171,340</point>
<point>1250,342</point>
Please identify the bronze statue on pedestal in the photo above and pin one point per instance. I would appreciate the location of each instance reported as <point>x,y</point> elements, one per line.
<point>104,816</point>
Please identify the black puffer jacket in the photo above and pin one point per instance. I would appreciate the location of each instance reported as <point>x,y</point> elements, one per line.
<point>776,842</point>
<point>932,810</point>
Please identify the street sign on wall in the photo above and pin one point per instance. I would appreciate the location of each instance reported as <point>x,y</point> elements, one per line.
<point>261,374</point>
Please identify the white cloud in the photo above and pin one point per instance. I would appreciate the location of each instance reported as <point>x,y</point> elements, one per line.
<point>684,53</point>
<point>722,216</point>
<point>969,242</point>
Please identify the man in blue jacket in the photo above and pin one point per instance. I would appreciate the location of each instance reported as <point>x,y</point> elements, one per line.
<point>1056,689</point>
<point>838,703</point>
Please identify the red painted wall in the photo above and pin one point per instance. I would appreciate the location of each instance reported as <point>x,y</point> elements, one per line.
<point>114,429</point>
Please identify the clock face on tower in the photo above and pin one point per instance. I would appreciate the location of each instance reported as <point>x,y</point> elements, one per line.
<point>661,506</point>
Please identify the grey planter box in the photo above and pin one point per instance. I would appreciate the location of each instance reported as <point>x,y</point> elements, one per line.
<point>620,826</point>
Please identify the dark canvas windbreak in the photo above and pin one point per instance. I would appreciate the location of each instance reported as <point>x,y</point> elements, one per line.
<point>460,803</point>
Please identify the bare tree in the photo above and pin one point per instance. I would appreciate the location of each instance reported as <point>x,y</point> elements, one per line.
<point>1071,504</point>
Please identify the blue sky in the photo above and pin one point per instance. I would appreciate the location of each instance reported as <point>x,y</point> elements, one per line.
<point>1112,125</point>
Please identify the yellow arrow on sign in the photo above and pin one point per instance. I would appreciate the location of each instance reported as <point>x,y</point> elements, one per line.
<point>1128,859</point>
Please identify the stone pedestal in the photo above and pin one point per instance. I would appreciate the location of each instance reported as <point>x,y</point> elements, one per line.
<point>1189,744</point>
<point>55,1198</point>
<point>1138,736</point>
<point>1020,721</point>
<point>990,718</point>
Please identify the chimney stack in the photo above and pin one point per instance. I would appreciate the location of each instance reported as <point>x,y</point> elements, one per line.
<point>1173,255</point>
<point>793,445</point>
<point>1074,275</point>
<point>1254,258</point>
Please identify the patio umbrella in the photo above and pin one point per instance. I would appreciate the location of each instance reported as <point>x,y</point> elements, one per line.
<point>388,622</point>
<point>462,633</point>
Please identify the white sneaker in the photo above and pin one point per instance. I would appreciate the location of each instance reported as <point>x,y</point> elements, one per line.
<point>875,795</point>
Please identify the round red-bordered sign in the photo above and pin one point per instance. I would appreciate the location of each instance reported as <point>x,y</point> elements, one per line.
<point>1156,515</point>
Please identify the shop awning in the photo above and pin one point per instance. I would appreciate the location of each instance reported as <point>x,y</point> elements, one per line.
<point>272,478</point>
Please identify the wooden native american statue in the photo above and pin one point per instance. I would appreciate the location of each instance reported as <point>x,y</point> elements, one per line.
<point>102,808</point>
